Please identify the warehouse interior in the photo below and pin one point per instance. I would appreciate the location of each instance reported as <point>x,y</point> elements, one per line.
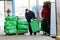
<point>17,8</point>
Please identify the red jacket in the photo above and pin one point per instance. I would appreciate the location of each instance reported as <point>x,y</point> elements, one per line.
<point>46,13</point>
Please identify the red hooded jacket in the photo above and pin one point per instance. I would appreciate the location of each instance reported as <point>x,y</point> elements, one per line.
<point>46,13</point>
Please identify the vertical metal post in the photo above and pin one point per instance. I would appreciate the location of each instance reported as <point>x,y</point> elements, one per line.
<point>29,4</point>
<point>4,8</point>
<point>37,9</point>
<point>13,7</point>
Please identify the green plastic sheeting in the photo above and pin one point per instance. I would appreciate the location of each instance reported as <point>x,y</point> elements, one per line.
<point>22,31</point>
<point>15,25</point>
<point>35,26</point>
<point>11,31</point>
<point>22,27</point>
<point>9,23</point>
<point>43,23</point>
<point>11,18</point>
<point>10,27</point>
<point>20,21</point>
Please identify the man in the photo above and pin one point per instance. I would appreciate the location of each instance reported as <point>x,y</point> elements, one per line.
<point>29,15</point>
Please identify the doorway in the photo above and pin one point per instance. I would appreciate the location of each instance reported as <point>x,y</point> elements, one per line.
<point>35,5</point>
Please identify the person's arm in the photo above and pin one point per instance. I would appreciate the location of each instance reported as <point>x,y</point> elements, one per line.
<point>25,16</point>
<point>42,13</point>
<point>33,15</point>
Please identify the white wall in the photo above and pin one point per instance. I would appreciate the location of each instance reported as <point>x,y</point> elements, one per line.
<point>20,6</point>
<point>1,16</point>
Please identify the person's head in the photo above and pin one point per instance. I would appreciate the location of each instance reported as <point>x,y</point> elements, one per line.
<point>47,4</point>
<point>27,10</point>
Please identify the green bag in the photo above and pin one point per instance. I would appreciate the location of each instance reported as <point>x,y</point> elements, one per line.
<point>22,31</point>
<point>20,21</point>
<point>12,23</point>
<point>11,18</point>
<point>11,31</point>
<point>43,23</point>
<point>40,26</point>
<point>10,27</point>
<point>23,27</point>
<point>35,26</point>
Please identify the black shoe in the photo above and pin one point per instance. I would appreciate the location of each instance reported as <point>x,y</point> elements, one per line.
<point>30,33</point>
<point>34,33</point>
<point>44,33</point>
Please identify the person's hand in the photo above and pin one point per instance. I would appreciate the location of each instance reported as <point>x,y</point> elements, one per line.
<point>42,18</point>
<point>31,19</point>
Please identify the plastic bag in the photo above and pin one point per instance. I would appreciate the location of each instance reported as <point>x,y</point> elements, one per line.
<point>22,22</point>
<point>11,31</point>
<point>11,18</point>
<point>10,27</point>
<point>12,23</point>
<point>23,27</point>
<point>22,31</point>
<point>35,26</point>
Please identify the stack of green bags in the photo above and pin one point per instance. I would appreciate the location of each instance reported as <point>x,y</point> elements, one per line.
<point>35,26</point>
<point>10,25</point>
<point>22,26</point>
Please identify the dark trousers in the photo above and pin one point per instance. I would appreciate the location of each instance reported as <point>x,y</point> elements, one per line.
<point>30,30</point>
<point>47,27</point>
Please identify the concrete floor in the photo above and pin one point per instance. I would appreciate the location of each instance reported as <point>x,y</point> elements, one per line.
<point>39,36</point>
<point>25,37</point>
